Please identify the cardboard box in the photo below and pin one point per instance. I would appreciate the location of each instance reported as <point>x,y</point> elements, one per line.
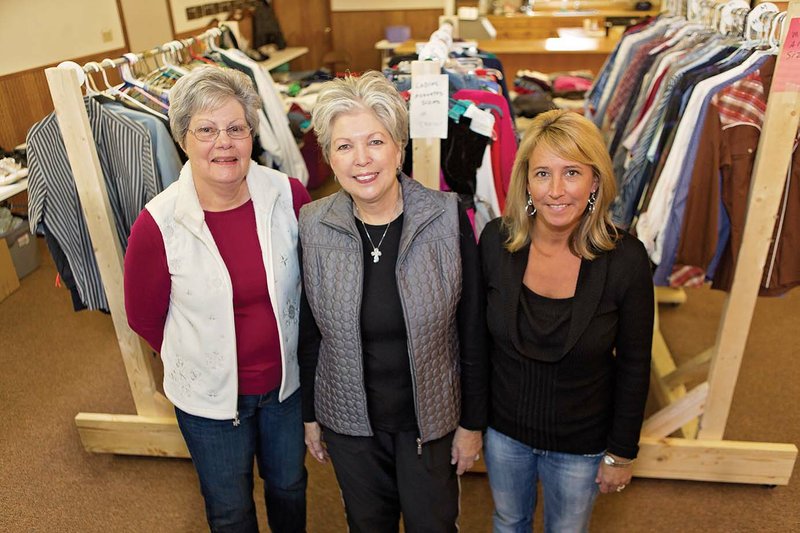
<point>24,251</point>
<point>9,282</point>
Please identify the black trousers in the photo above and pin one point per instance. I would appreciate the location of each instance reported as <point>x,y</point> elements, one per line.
<point>383,476</point>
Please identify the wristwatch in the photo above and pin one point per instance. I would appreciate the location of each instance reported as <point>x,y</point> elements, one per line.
<point>610,460</point>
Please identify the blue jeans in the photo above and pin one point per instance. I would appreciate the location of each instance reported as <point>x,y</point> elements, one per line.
<point>222,453</point>
<point>567,484</point>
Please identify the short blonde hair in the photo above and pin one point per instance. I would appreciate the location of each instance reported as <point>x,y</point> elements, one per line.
<point>370,91</point>
<point>573,137</point>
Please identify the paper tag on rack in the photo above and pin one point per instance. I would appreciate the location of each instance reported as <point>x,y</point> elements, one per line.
<point>429,99</point>
<point>787,73</point>
<point>482,121</point>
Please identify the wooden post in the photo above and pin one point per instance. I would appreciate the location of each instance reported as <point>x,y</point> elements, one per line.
<point>153,431</point>
<point>427,152</point>
<point>766,189</point>
<point>90,184</point>
<point>708,457</point>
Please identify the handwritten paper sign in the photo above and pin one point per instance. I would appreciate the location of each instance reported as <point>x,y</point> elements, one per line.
<point>787,72</point>
<point>429,99</point>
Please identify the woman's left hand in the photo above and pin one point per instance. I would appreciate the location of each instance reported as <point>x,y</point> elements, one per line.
<point>464,452</point>
<point>613,478</point>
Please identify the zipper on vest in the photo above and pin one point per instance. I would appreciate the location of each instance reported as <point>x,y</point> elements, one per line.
<point>236,421</point>
<point>419,447</point>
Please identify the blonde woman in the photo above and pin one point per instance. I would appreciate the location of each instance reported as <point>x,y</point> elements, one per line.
<point>570,314</point>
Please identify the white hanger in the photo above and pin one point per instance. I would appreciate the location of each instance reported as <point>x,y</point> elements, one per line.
<point>114,91</point>
<point>169,55</point>
<point>727,17</point>
<point>776,31</point>
<point>91,88</point>
<point>757,22</point>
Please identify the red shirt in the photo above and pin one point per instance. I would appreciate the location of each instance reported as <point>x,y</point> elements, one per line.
<point>146,273</point>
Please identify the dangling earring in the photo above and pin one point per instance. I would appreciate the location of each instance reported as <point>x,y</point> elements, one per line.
<point>592,201</point>
<point>530,209</point>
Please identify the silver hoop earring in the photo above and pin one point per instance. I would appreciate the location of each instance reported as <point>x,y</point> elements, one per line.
<point>592,201</point>
<point>530,209</point>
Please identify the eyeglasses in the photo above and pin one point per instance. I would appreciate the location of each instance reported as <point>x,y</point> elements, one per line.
<point>209,133</point>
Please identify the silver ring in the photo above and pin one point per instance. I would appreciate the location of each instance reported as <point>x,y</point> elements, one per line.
<point>477,456</point>
<point>620,488</point>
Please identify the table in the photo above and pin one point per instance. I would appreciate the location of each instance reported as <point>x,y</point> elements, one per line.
<point>545,55</point>
<point>281,57</point>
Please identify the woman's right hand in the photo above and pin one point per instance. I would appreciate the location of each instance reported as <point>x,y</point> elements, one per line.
<point>314,442</point>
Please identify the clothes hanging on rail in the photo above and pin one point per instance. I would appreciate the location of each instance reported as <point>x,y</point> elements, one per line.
<point>682,107</point>
<point>728,146</point>
<point>127,160</point>
<point>504,141</point>
<point>281,143</point>
<point>167,155</point>
<point>478,154</point>
<point>658,226</point>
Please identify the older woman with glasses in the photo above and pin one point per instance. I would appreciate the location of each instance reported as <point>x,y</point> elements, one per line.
<point>212,282</point>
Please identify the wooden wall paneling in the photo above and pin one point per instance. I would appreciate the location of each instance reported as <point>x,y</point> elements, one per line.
<point>306,23</point>
<point>357,31</point>
<point>25,99</point>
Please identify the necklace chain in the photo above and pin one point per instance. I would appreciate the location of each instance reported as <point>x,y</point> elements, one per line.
<point>376,252</point>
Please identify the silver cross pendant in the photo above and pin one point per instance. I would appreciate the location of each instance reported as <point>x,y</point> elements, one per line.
<point>376,255</point>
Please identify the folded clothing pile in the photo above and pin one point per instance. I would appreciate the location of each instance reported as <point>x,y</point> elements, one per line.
<point>537,92</point>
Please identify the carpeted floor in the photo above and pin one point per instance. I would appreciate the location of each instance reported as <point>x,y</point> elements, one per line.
<point>56,363</point>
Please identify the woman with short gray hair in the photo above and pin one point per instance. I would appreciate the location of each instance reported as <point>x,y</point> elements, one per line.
<point>212,282</point>
<point>393,360</point>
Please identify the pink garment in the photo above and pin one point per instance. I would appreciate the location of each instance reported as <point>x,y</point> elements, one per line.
<point>564,84</point>
<point>505,145</point>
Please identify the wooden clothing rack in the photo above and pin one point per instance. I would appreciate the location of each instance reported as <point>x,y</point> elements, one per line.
<point>153,430</point>
<point>427,151</point>
<point>701,414</point>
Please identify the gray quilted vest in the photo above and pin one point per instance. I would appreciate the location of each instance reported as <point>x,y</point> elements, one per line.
<point>429,281</point>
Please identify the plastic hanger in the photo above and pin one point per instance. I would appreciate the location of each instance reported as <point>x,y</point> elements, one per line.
<point>757,21</point>
<point>114,91</point>
<point>93,67</point>
<point>776,31</point>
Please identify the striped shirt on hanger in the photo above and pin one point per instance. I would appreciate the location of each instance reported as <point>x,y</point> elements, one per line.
<point>125,151</point>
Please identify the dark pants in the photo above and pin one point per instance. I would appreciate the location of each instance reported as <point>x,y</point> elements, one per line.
<point>382,476</point>
<point>222,453</point>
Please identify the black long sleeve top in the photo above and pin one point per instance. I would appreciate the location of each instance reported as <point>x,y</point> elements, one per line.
<point>590,396</point>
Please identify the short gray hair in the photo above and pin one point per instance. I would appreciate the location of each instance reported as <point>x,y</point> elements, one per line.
<point>370,91</point>
<point>208,88</point>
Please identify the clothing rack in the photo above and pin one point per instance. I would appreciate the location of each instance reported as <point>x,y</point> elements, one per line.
<point>427,151</point>
<point>701,414</point>
<point>153,430</point>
